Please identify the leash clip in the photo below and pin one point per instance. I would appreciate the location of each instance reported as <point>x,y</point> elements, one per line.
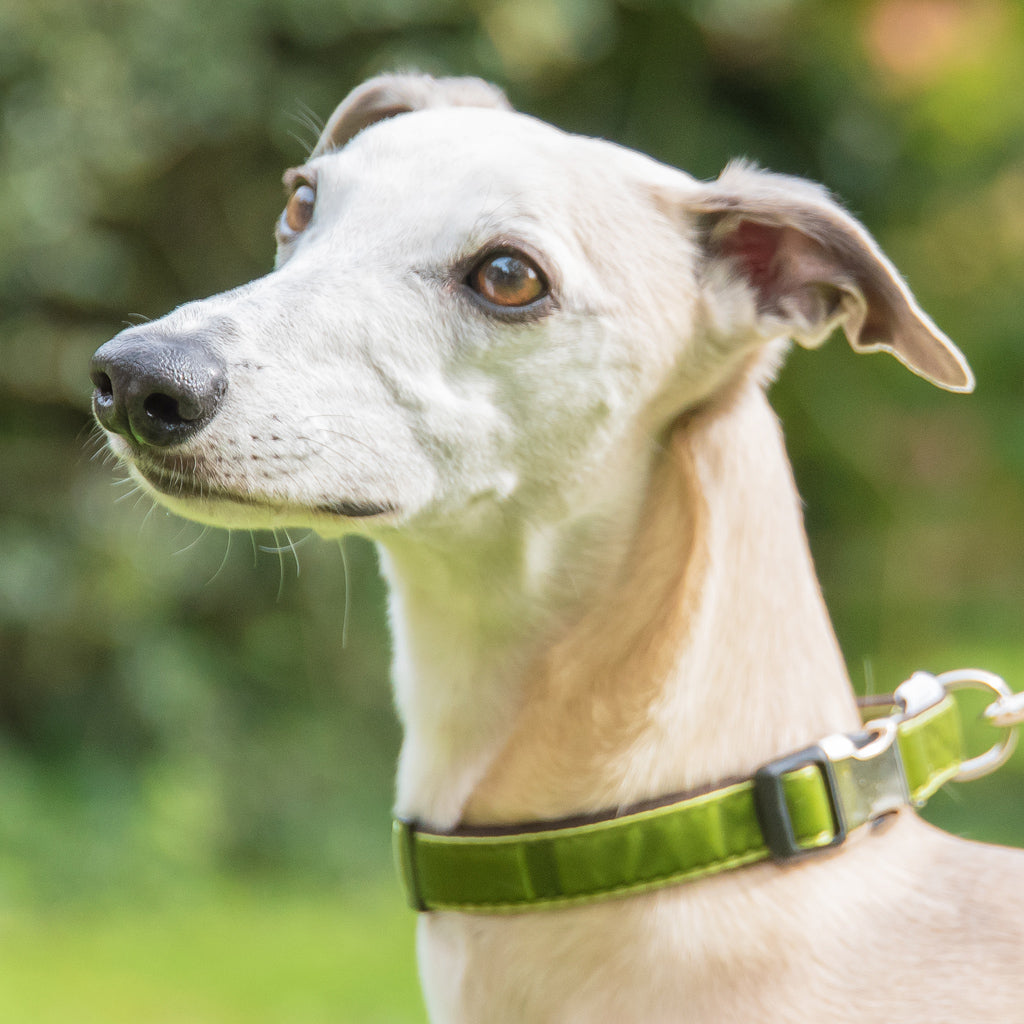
<point>923,690</point>
<point>1006,711</point>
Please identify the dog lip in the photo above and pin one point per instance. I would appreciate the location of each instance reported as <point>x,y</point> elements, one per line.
<point>185,488</point>
<point>355,509</point>
<point>176,484</point>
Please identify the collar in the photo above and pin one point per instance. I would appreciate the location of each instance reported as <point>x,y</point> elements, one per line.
<point>797,806</point>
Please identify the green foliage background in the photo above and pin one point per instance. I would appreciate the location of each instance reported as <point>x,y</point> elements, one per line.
<point>196,735</point>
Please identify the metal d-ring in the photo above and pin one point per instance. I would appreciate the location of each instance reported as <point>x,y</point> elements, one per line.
<point>999,753</point>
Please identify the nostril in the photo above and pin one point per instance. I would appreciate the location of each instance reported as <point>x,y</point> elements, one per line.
<point>103,383</point>
<point>165,410</point>
<point>104,394</point>
<point>103,401</point>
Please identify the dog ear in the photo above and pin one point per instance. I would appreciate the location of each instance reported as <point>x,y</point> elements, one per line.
<point>387,95</point>
<point>811,268</point>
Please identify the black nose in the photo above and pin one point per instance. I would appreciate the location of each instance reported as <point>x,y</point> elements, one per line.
<point>155,388</point>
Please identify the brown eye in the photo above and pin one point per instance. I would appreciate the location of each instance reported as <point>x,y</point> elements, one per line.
<point>508,279</point>
<point>299,211</point>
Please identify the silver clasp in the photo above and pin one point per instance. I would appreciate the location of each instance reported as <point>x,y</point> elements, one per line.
<point>868,772</point>
<point>1007,712</point>
<point>919,693</point>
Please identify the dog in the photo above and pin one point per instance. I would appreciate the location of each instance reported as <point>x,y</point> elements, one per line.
<point>532,367</point>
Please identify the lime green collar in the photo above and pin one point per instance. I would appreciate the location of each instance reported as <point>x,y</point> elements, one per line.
<point>792,807</point>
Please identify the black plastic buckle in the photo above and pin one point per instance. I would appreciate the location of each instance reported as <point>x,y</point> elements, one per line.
<point>773,812</point>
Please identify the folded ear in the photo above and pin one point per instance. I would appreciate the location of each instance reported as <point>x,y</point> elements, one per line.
<point>387,95</point>
<point>811,267</point>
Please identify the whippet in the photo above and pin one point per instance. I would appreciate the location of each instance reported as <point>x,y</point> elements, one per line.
<point>532,367</point>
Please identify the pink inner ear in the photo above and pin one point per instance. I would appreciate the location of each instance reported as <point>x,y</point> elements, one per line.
<point>755,247</point>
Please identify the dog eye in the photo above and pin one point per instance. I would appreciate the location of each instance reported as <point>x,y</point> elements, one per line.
<point>299,210</point>
<point>508,279</point>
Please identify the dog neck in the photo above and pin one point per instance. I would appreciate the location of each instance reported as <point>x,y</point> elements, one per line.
<point>699,650</point>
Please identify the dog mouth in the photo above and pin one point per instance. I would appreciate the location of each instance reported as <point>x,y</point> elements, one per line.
<point>185,484</point>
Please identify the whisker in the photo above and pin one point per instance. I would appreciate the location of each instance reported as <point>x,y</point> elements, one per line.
<point>345,600</point>
<point>307,119</point>
<point>346,458</point>
<point>137,492</point>
<point>90,436</point>
<point>188,547</point>
<point>97,441</point>
<point>280,569</point>
<point>291,545</point>
<point>869,678</point>
<point>152,508</point>
<point>338,435</point>
<point>224,561</point>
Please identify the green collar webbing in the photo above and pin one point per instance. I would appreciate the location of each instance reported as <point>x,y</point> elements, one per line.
<point>792,807</point>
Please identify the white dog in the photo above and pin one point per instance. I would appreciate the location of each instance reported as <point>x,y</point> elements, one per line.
<point>532,367</point>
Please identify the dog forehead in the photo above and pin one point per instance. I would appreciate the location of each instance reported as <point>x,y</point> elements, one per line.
<point>452,136</point>
<point>452,154</point>
<point>464,175</point>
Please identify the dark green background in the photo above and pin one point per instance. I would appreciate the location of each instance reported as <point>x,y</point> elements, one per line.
<point>177,706</point>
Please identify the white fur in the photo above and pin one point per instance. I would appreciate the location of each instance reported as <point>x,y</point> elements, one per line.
<point>601,589</point>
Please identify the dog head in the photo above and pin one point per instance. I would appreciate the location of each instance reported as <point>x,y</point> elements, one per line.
<point>477,318</point>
